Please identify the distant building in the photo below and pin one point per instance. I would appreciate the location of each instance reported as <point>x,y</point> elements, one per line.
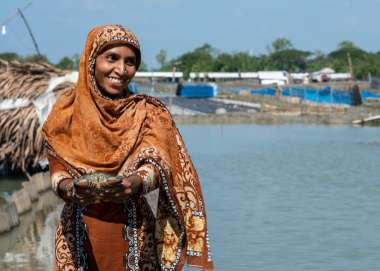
<point>279,78</point>
<point>328,74</point>
<point>160,76</point>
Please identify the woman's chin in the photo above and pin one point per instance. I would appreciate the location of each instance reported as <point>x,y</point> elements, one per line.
<point>113,93</point>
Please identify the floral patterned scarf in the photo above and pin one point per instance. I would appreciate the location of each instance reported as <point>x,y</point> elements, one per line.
<point>93,133</point>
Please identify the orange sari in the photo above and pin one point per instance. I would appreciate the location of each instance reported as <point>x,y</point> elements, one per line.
<point>87,133</point>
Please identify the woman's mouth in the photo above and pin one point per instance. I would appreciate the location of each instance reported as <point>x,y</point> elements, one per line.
<point>115,80</point>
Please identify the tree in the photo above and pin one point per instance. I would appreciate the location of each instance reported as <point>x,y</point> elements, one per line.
<point>225,63</point>
<point>291,60</point>
<point>346,44</point>
<point>199,60</point>
<point>348,47</point>
<point>237,62</point>
<point>318,61</point>
<point>9,56</point>
<point>281,44</point>
<point>161,58</point>
<point>66,63</point>
<point>36,58</point>
<point>359,58</point>
<point>69,63</point>
<point>246,62</point>
<point>281,56</point>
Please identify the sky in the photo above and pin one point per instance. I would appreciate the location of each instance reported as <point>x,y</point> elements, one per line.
<point>179,26</point>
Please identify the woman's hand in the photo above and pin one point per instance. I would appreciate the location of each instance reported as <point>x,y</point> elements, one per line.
<point>129,187</point>
<point>78,194</point>
<point>113,190</point>
<point>93,192</point>
<point>83,192</point>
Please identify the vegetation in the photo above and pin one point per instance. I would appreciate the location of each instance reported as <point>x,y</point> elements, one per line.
<point>282,55</point>
<point>10,56</point>
<point>69,63</point>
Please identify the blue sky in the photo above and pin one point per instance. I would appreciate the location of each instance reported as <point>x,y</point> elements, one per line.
<point>179,26</point>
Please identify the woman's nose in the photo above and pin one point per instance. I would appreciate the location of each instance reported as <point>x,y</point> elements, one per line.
<point>121,68</point>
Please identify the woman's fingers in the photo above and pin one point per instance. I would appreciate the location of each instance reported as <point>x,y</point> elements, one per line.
<point>117,197</point>
<point>84,198</point>
<point>115,189</point>
<point>113,181</point>
<point>81,183</point>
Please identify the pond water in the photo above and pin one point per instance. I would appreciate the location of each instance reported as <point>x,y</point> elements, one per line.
<point>288,197</point>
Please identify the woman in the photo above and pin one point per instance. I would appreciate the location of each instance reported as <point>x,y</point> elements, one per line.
<point>107,149</point>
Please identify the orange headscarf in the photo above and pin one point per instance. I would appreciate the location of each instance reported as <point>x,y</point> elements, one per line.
<point>87,129</point>
<point>93,133</point>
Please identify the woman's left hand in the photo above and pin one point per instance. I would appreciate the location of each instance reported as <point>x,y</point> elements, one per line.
<point>128,188</point>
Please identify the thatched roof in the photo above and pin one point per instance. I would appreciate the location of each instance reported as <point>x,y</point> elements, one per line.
<point>20,139</point>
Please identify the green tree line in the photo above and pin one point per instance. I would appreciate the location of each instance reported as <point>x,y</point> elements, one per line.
<point>281,55</point>
<point>67,63</point>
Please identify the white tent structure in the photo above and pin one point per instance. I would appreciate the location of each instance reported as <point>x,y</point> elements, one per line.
<point>274,77</point>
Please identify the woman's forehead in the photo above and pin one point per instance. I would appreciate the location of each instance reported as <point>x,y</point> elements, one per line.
<point>118,48</point>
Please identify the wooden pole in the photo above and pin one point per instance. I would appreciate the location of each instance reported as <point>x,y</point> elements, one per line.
<point>350,67</point>
<point>30,32</point>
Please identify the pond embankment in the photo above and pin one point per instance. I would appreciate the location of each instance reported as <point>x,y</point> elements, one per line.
<point>21,200</point>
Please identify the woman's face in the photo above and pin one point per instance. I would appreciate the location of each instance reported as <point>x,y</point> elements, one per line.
<point>114,69</point>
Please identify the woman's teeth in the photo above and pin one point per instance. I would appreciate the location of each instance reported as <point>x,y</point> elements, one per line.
<point>114,79</point>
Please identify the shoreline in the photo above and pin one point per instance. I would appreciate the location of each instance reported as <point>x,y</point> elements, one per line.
<point>269,118</point>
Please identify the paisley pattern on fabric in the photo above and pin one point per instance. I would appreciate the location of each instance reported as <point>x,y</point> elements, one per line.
<point>169,233</point>
<point>65,240</point>
<point>192,203</point>
<point>88,133</point>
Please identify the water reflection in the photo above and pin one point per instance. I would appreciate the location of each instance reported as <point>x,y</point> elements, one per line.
<point>30,245</point>
<point>9,184</point>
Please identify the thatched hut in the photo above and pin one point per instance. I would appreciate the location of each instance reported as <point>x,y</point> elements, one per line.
<point>27,92</point>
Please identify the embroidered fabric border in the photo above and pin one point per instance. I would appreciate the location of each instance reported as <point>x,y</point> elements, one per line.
<point>57,177</point>
<point>209,253</point>
<point>194,253</point>
<point>197,213</point>
<point>175,211</point>
<point>80,237</point>
<point>80,228</point>
<point>131,259</point>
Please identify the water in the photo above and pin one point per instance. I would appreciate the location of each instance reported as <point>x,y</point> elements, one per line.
<point>289,197</point>
<point>30,245</point>
<point>9,184</point>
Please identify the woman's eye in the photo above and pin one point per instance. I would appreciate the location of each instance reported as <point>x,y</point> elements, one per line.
<point>112,57</point>
<point>130,61</point>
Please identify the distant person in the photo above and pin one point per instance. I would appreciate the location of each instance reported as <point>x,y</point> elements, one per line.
<point>356,97</point>
<point>107,149</point>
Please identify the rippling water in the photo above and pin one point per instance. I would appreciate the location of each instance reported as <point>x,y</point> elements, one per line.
<point>289,197</point>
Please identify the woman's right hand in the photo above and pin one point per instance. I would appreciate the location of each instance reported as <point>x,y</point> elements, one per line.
<point>84,192</point>
<point>79,194</point>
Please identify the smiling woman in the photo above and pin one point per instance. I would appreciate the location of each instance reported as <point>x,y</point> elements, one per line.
<point>114,69</point>
<point>107,149</point>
